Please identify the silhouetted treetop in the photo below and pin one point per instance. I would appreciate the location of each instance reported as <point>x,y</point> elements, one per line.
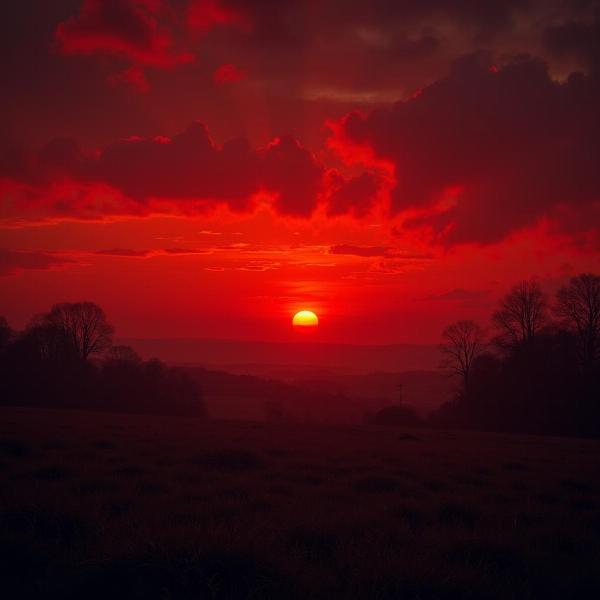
<point>123,354</point>
<point>48,365</point>
<point>6,333</point>
<point>462,343</point>
<point>522,313</point>
<point>546,379</point>
<point>84,324</point>
<point>578,304</point>
<point>46,341</point>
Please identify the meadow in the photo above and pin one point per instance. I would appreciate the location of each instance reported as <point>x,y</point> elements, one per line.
<point>97,505</point>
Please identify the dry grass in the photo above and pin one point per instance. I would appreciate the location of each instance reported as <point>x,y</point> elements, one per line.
<point>97,505</point>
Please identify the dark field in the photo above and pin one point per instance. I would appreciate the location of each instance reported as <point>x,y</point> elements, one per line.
<point>99,506</point>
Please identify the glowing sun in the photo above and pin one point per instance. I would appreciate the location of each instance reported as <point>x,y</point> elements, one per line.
<point>305,318</point>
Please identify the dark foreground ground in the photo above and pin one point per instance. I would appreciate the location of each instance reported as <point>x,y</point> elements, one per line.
<point>112,506</point>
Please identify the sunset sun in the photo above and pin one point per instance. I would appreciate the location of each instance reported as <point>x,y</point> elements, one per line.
<point>305,318</point>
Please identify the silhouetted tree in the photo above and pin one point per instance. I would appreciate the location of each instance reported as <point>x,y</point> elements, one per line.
<point>46,365</point>
<point>527,389</point>
<point>122,377</point>
<point>522,313</point>
<point>578,303</point>
<point>46,341</point>
<point>6,333</point>
<point>122,354</point>
<point>462,343</point>
<point>84,324</point>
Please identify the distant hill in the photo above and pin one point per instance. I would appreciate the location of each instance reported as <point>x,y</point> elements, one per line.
<point>230,396</point>
<point>347,357</point>
<point>423,391</point>
<point>330,397</point>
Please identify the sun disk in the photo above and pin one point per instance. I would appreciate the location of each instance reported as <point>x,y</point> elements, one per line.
<point>305,318</point>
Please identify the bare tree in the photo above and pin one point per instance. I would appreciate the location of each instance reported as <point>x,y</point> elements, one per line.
<point>523,311</point>
<point>462,343</point>
<point>84,324</point>
<point>578,303</point>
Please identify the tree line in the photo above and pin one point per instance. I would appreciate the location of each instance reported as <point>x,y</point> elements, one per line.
<point>66,358</point>
<point>536,369</point>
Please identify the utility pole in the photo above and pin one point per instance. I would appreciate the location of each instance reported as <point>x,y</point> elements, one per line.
<point>400,387</point>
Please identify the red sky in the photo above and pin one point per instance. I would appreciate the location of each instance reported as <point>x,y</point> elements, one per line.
<point>204,168</point>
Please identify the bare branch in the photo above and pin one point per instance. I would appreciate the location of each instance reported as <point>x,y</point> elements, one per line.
<point>462,343</point>
<point>578,304</point>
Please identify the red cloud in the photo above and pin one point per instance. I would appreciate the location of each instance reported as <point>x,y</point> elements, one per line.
<point>188,166</point>
<point>576,39</point>
<point>294,175</point>
<point>124,253</point>
<point>356,195</point>
<point>364,251</point>
<point>126,28</point>
<point>13,262</point>
<point>203,15</point>
<point>186,173</point>
<point>134,77</point>
<point>481,154</point>
<point>131,253</point>
<point>228,73</point>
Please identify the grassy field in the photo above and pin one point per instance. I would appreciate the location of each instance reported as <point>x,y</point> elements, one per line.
<point>102,505</point>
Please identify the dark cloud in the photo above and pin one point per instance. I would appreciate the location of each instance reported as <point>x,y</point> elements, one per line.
<point>228,73</point>
<point>335,48</point>
<point>183,251</point>
<point>294,21</point>
<point>356,195</point>
<point>188,170</point>
<point>187,166</point>
<point>77,101</point>
<point>125,28</point>
<point>366,251</point>
<point>203,15</point>
<point>13,262</point>
<point>576,39</point>
<point>505,149</point>
<point>134,77</point>
<point>305,61</point>
<point>124,252</point>
<point>394,266</point>
<point>294,175</point>
<point>486,152</point>
<point>131,253</point>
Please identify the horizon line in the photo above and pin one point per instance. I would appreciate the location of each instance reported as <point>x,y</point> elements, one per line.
<point>290,343</point>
